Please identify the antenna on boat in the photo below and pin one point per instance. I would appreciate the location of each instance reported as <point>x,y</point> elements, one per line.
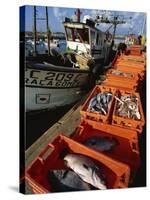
<point>143,25</point>
<point>114,21</point>
<point>35,32</point>
<point>48,30</point>
<point>78,14</point>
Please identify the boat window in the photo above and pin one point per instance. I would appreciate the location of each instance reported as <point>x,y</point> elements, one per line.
<point>86,35</point>
<point>93,38</point>
<point>101,40</point>
<point>78,35</point>
<point>97,39</point>
<point>69,33</point>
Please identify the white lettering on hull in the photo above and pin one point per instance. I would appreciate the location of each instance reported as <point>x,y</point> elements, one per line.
<point>50,79</point>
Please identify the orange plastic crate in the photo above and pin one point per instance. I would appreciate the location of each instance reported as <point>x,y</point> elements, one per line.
<point>134,59</point>
<point>141,57</point>
<point>133,62</point>
<point>126,149</point>
<point>137,71</point>
<point>121,84</point>
<point>131,65</point>
<point>135,50</point>
<point>135,46</point>
<point>131,77</point>
<point>117,173</point>
<point>127,122</point>
<point>97,116</point>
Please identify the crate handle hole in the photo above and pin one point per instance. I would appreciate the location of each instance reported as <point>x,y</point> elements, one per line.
<point>63,153</point>
<point>123,178</point>
<point>134,146</point>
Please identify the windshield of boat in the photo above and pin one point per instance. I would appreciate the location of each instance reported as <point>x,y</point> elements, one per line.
<point>78,35</point>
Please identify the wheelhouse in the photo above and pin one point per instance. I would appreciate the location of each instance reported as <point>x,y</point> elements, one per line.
<point>84,38</point>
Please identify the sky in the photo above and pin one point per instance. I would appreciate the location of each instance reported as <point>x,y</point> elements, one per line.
<point>58,14</point>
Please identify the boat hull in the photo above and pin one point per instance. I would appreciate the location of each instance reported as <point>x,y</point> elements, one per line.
<point>47,99</point>
<point>49,87</point>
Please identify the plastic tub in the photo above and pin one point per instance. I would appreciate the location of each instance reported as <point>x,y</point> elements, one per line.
<point>126,149</point>
<point>125,121</point>
<point>97,116</point>
<point>117,174</point>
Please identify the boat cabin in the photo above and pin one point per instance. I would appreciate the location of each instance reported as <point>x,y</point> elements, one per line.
<point>85,38</point>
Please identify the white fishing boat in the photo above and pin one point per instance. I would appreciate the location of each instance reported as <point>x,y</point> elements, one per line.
<point>52,84</point>
<point>55,79</point>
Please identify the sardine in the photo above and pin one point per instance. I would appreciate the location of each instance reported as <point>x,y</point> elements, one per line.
<point>100,103</point>
<point>92,104</point>
<point>100,143</point>
<point>98,98</point>
<point>86,169</point>
<point>66,180</point>
<point>109,97</point>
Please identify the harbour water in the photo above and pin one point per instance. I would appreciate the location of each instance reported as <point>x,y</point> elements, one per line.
<point>37,123</point>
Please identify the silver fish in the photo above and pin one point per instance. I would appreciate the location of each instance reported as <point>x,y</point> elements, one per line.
<point>109,97</point>
<point>127,106</point>
<point>100,103</point>
<point>86,169</point>
<point>122,74</point>
<point>92,104</point>
<point>100,143</point>
<point>66,180</point>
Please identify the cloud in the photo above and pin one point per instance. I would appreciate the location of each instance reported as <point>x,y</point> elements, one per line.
<point>134,25</point>
<point>59,13</point>
<point>56,11</point>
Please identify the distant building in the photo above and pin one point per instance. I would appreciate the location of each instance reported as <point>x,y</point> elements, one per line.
<point>43,35</point>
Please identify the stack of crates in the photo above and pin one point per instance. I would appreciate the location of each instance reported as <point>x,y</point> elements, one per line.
<point>121,163</point>
<point>135,50</point>
<point>128,72</point>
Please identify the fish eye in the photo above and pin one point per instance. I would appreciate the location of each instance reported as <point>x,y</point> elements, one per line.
<point>66,162</point>
<point>85,166</point>
<point>93,142</point>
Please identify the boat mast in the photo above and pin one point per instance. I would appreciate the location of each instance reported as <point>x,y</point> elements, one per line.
<point>78,14</point>
<point>115,21</point>
<point>34,31</point>
<point>48,30</point>
<point>144,25</point>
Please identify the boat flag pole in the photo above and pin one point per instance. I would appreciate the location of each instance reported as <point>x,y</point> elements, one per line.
<point>78,14</point>
<point>35,32</point>
<point>48,30</point>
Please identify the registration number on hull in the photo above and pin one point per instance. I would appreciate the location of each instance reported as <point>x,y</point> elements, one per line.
<point>42,78</point>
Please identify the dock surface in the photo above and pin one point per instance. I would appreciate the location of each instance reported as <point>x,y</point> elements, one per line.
<point>65,125</point>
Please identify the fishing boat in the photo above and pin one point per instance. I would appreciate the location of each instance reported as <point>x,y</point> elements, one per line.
<point>58,79</point>
<point>52,84</point>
